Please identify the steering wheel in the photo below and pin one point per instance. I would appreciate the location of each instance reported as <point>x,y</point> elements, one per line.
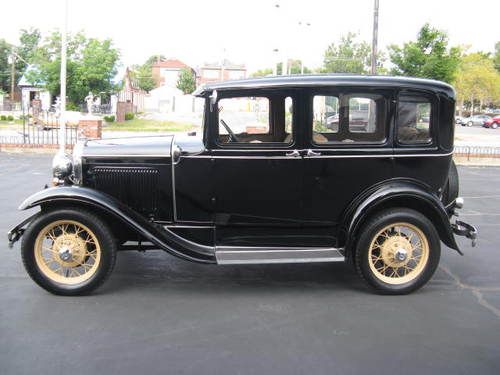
<point>232,136</point>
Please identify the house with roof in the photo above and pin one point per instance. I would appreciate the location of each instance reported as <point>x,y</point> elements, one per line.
<point>166,71</point>
<point>31,89</point>
<point>220,71</point>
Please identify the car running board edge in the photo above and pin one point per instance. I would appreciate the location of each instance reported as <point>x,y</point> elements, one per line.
<point>265,255</point>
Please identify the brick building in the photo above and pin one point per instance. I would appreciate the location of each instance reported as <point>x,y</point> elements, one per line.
<point>220,71</point>
<point>166,72</point>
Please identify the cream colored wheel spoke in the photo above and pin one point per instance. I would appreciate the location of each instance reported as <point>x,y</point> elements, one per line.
<point>67,252</point>
<point>398,253</point>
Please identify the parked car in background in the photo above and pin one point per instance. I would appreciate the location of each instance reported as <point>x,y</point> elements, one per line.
<point>492,123</point>
<point>459,120</point>
<point>475,120</point>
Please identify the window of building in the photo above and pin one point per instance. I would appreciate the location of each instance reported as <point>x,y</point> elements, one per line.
<point>348,118</point>
<point>413,120</point>
<point>211,73</point>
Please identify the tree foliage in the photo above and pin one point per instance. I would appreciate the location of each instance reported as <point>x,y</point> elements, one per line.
<point>91,65</point>
<point>186,82</point>
<point>496,58</point>
<point>294,67</point>
<point>477,80</point>
<point>143,74</point>
<point>428,57</point>
<point>5,51</point>
<point>347,56</point>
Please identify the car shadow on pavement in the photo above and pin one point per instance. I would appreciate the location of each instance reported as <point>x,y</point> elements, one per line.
<point>158,270</point>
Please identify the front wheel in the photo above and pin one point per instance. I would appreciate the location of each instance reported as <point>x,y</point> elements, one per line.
<point>68,251</point>
<point>494,125</point>
<point>398,251</point>
<point>469,123</point>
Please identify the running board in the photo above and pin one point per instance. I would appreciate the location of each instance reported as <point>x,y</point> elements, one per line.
<point>264,255</point>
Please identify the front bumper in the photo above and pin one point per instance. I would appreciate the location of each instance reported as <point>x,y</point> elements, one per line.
<point>16,233</point>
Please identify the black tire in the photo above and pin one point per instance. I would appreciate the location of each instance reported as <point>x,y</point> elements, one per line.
<point>373,226</point>
<point>469,123</point>
<point>103,235</point>
<point>451,188</point>
<point>494,125</point>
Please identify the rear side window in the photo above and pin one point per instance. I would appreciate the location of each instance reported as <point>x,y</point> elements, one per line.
<point>414,120</point>
<point>349,118</point>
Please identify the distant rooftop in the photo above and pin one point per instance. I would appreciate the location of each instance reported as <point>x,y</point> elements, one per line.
<point>170,63</point>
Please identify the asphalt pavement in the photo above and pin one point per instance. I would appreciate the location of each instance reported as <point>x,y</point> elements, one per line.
<point>161,315</point>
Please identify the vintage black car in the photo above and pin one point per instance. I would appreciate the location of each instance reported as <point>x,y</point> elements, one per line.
<point>266,180</point>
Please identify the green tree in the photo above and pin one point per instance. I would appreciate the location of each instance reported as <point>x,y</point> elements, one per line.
<point>496,58</point>
<point>263,72</point>
<point>428,57</point>
<point>143,74</point>
<point>294,67</point>
<point>5,51</point>
<point>347,56</point>
<point>477,80</point>
<point>186,82</point>
<point>91,66</point>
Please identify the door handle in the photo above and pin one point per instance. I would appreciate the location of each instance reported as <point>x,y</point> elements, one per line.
<point>293,154</point>
<point>312,153</point>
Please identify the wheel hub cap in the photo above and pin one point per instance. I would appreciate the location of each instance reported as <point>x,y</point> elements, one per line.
<point>400,255</point>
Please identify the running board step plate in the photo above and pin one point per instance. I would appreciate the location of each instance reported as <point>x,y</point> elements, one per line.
<point>264,255</point>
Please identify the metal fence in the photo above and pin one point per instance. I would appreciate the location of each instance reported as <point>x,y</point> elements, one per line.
<point>44,129</point>
<point>477,152</point>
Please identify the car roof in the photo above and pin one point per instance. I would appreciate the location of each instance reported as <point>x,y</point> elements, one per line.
<point>322,80</point>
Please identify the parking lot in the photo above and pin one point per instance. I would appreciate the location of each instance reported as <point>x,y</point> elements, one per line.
<point>161,315</point>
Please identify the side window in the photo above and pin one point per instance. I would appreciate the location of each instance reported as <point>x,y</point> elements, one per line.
<point>254,120</point>
<point>413,120</point>
<point>349,118</point>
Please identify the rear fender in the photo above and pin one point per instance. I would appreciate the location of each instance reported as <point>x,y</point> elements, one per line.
<point>74,196</point>
<point>398,194</point>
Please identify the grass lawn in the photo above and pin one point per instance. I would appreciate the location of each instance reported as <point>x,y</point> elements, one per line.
<point>9,124</point>
<point>149,126</point>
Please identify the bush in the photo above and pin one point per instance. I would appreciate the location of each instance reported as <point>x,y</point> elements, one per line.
<point>129,116</point>
<point>70,106</point>
<point>3,118</point>
<point>109,118</point>
<point>10,118</point>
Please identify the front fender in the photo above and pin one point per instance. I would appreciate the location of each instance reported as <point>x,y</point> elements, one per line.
<point>398,194</point>
<point>158,235</point>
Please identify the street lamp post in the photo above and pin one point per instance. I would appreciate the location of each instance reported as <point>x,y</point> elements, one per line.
<point>62,117</point>
<point>375,38</point>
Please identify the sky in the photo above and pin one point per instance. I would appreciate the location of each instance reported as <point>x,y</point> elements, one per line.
<point>249,31</point>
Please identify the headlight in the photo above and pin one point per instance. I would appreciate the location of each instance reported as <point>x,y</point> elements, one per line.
<point>61,165</point>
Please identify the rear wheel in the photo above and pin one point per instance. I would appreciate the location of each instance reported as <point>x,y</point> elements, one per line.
<point>68,252</point>
<point>398,251</point>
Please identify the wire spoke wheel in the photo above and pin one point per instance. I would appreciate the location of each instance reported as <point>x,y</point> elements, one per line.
<point>67,252</point>
<point>398,253</point>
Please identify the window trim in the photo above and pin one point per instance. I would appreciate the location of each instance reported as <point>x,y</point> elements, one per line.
<point>433,119</point>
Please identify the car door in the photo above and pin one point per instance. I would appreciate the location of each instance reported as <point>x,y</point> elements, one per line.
<point>348,151</point>
<point>257,168</point>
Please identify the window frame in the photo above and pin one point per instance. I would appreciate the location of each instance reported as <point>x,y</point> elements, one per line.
<point>433,119</point>
<point>270,95</point>
<point>348,92</point>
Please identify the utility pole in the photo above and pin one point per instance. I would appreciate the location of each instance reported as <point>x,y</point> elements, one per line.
<point>375,38</point>
<point>62,117</point>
